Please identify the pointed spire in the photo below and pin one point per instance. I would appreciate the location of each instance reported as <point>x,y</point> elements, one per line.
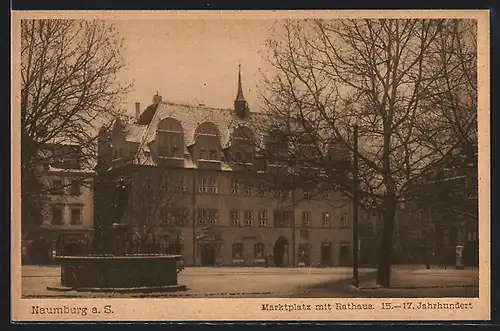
<point>240,105</point>
<point>239,95</point>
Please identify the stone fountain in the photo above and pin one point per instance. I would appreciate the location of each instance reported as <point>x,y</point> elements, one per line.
<point>107,266</point>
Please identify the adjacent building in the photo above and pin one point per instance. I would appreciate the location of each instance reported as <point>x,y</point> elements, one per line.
<point>196,178</point>
<point>66,200</point>
<point>446,217</point>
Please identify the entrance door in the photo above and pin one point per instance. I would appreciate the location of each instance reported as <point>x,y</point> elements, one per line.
<point>344,255</point>
<point>208,255</point>
<point>280,252</point>
<point>326,254</point>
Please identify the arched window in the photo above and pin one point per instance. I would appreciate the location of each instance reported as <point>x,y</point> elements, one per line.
<point>242,145</point>
<point>170,124</point>
<point>208,129</point>
<point>277,147</point>
<point>170,138</point>
<point>207,140</point>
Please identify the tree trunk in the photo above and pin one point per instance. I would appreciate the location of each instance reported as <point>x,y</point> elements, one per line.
<point>385,257</point>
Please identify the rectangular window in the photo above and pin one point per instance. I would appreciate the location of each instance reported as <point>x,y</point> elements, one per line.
<point>248,189</point>
<point>57,186</point>
<point>306,194</point>
<point>237,251</point>
<point>282,152</point>
<point>181,217</point>
<point>175,151</point>
<point>262,189</point>
<point>262,218</point>
<point>202,216</point>
<point>76,216</point>
<point>203,153</point>
<point>57,215</point>
<point>259,251</point>
<point>282,218</point>
<point>326,219</point>
<point>212,187</point>
<point>235,186</point>
<point>203,185</point>
<point>303,252</point>
<point>213,154</point>
<point>213,216</point>
<point>326,195</point>
<point>75,188</point>
<point>179,184</point>
<point>306,218</point>
<point>248,215</point>
<point>235,217</point>
<point>344,221</point>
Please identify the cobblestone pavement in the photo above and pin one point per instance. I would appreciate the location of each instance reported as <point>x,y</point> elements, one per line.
<point>408,281</point>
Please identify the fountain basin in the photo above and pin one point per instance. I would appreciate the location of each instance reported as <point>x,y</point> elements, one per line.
<point>124,273</point>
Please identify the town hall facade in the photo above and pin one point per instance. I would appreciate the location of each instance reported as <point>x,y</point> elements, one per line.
<point>195,177</point>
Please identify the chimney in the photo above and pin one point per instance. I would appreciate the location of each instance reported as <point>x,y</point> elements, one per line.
<point>137,110</point>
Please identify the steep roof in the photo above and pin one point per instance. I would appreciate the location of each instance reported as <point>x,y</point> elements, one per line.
<point>190,117</point>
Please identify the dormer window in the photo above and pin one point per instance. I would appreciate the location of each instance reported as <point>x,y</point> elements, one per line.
<point>207,140</point>
<point>242,145</point>
<point>170,138</point>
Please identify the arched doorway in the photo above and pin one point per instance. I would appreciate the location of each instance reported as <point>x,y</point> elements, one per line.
<point>280,252</point>
<point>208,255</point>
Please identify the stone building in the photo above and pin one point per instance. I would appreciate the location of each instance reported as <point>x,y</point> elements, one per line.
<point>195,177</point>
<point>446,217</point>
<point>66,201</point>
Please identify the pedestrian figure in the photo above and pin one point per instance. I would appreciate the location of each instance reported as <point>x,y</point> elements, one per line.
<point>266,261</point>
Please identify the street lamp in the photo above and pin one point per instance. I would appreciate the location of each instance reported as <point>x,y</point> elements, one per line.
<point>355,223</point>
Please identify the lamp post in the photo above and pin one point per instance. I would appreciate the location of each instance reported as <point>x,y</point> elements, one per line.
<point>355,239</point>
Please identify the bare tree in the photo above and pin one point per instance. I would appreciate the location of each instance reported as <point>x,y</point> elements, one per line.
<point>453,185</point>
<point>158,205</point>
<point>378,74</point>
<point>68,88</point>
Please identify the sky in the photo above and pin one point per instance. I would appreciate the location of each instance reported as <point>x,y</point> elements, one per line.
<point>193,61</point>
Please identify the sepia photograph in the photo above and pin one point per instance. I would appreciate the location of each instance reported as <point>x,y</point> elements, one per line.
<point>274,157</point>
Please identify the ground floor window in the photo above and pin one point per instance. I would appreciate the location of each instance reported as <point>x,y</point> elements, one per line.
<point>237,251</point>
<point>76,216</point>
<point>57,215</point>
<point>303,253</point>
<point>259,251</point>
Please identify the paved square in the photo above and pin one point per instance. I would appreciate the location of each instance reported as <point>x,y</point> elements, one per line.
<point>407,281</point>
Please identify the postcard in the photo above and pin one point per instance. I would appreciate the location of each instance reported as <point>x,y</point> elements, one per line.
<point>250,165</point>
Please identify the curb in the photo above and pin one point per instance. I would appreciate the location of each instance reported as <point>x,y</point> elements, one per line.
<point>159,294</point>
<point>145,289</point>
<point>351,288</point>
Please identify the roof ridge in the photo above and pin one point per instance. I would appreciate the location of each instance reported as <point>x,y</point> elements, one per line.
<point>195,106</point>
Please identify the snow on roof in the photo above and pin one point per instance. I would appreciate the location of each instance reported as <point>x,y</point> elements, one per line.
<point>190,117</point>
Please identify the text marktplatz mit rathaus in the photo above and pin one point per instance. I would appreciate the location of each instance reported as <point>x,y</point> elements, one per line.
<point>325,306</point>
